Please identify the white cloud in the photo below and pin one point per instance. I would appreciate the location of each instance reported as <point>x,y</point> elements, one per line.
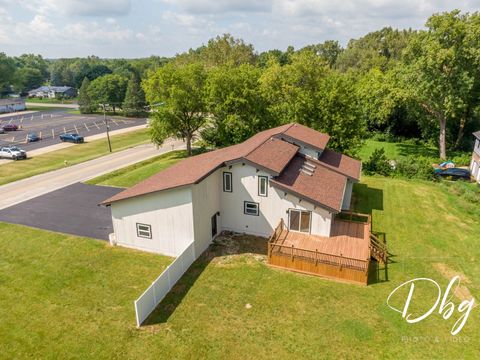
<point>78,7</point>
<point>216,7</point>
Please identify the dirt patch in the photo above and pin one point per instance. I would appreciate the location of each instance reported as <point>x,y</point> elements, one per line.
<point>461,292</point>
<point>229,246</point>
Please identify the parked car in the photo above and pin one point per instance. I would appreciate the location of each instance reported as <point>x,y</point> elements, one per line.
<point>12,152</point>
<point>2,131</point>
<point>75,138</point>
<point>32,137</point>
<point>10,127</point>
<point>454,173</point>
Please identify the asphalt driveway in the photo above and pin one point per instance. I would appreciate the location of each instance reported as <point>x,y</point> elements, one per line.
<point>71,210</point>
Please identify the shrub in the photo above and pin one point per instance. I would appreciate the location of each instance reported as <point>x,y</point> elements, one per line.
<point>415,168</point>
<point>462,160</point>
<point>378,163</point>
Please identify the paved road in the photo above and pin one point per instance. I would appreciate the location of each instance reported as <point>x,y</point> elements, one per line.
<point>63,145</point>
<point>26,189</point>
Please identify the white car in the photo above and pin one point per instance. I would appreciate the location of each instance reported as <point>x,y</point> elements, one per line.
<point>13,153</point>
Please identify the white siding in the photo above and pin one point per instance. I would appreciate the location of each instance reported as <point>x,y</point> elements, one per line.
<point>309,152</point>
<point>206,203</point>
<point>347,196</point>
<point>272,208</point>
<point>170,215</point>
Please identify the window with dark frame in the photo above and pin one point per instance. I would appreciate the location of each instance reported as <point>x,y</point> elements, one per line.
<point>263,186</point>
<point>250,208</point>
<point>144,231</point>
<point>227,181</point>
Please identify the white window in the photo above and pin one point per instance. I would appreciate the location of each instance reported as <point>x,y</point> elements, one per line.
<point>227,181</point>
<point>299,220</point>
<point>144,231</point>
<point>250,208</point>
<point>262,186</point>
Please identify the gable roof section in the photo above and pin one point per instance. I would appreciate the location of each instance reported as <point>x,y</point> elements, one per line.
<point>477,134</point>
<point>324,187</point>
<point>260,150</point>
<point>273,155</point>
<point>307,136</point>
<point>342,164</point>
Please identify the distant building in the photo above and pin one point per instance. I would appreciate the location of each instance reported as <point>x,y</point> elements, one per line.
<point>11,105</point>
<point>475,164</point>
<point>53,92</point>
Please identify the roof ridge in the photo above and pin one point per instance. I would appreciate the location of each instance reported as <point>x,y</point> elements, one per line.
<point>270,137</point>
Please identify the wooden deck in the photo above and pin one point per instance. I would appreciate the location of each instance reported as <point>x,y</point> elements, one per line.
<point>344,255</point>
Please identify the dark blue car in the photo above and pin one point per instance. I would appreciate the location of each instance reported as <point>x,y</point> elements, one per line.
<point>454,173</point>
<point>74,138</point>
<point>32,137</point>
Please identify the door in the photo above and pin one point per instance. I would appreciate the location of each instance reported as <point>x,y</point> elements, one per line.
<point>214,225</point>
<point>299,220</point>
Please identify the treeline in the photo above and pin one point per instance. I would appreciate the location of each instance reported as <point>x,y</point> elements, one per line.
<point>401,83</point>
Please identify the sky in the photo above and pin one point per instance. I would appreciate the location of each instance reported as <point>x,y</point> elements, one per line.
<point>139,28</point>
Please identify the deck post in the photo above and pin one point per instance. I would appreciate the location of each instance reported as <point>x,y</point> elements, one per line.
<point>292,252</point>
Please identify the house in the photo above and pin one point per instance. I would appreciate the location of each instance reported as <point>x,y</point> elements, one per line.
<point>475,163</point>
<point>281,183</point>
<point>11,105</point>
<point>53,92</point>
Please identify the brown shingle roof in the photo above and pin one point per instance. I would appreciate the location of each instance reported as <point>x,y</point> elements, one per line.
<point>273,154</point>
<point>308,136</point>
<point>341,163</point>
<point>260,149</point>
<point>324,187</point>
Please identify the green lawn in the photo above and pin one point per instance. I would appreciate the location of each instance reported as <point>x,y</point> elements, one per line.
<point>50,101</point>
<point>44,108</point>
<point>64,297</point>
<point>135,173</point>
<point>75,154</point>
<point>396,150</point>
<point>68,297</point>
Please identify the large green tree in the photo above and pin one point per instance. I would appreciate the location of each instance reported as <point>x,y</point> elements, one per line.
<point>307,91</point>
<point>443,71</point>
<point>85,102</point>
<point>177,97</point>
<point>134,103</point>
<point>235,104</point>
<point>108,90</point>
<point>7,70</point>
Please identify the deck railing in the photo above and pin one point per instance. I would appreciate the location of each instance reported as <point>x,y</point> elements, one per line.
<point>317,257</point>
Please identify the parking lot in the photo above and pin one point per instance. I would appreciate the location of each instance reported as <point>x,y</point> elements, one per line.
<point>48,125</point>
<point>71,210</point>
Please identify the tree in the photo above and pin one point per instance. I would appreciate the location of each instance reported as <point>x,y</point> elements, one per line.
<point>443,71</point>
<point>134,102</point>
<point>235,104</point>
<point>307,91</point>
<point>84,100</point>
<point>108,90</point>
<point>176,94</point>
<point>7,70</point>
<point>27,79</point>
<point>222,50</point>
<point>328,51</point>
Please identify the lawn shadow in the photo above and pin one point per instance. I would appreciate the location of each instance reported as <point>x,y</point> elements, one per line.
<point>366,199</point>
<point>407,149</point>
<point>225,245</point>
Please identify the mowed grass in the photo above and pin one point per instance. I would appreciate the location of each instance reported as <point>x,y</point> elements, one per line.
<point>64,297</point>
<point>135,173</point>
<point>68,297</point>
<point>73,155</point>
<point>396,150</point>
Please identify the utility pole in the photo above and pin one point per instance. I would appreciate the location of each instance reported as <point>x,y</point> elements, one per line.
<point>106,124</point>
